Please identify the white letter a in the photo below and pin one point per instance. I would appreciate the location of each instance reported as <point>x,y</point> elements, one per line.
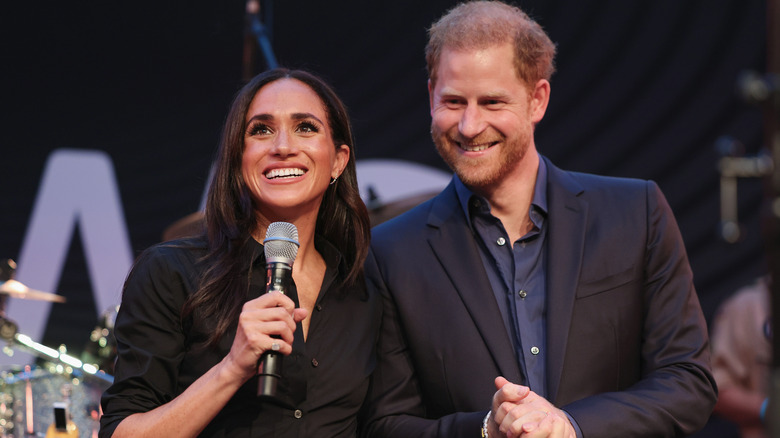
<point>77,186</point>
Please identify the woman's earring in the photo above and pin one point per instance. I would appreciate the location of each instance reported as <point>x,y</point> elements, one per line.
<point>333,180</point>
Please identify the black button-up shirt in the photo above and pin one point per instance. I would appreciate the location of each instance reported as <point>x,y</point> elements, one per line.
<point>324,380</point>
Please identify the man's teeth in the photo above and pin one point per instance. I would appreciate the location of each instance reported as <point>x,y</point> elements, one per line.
<point>284,173</point>
<point>474,148</point>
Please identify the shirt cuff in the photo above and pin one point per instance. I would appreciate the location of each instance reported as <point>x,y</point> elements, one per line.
<point>574,424</point>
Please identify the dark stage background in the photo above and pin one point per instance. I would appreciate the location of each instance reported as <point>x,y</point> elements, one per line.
<point>643,89</point>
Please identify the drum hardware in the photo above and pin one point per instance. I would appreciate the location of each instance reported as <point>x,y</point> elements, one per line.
<point>101,348</point>
<point>49,400</point>
<point>28,401</point>
<point>8,328</point>
<point>28,405</point>
<point>59,397</point>
<point>7,269</point>
<point>63,426</point>
<point>61,358</point>
<point>15,289</point>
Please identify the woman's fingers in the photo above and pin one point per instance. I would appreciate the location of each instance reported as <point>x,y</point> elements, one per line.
<point>266,323</point>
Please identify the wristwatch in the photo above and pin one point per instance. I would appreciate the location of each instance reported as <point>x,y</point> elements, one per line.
<point>485,425</point>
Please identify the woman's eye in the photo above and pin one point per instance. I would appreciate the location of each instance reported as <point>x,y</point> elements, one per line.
<point>308,127</point>
<point>259,129</point>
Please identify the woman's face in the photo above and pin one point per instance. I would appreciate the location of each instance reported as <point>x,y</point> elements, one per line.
<point>289,155</point>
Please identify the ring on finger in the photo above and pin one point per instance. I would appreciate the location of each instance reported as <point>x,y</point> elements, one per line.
<point>275,346</point>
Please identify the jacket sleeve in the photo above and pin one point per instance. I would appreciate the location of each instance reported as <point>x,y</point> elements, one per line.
<point>676,392</point>
<point>395,403</point>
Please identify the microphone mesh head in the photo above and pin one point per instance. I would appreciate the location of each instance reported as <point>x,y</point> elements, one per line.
<point>281,242</point>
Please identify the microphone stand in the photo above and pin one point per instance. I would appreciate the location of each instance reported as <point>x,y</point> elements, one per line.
<point>257,34</point>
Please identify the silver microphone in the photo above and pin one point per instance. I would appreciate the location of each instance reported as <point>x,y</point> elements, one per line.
<point>280,247</point>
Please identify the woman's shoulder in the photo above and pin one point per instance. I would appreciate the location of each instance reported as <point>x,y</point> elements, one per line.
<point>184,248</point>
<point>170,259</point>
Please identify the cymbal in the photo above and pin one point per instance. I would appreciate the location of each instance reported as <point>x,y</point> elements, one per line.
<point>188,226</point>
<point>15,289</point>
<point>385,212</point>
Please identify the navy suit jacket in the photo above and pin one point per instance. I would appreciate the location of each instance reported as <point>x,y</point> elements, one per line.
<point>627,345</point>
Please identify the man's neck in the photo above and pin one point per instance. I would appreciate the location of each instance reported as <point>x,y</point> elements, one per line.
<point>510,200</point>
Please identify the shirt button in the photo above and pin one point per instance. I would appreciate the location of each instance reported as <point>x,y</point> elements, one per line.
<point>523,294</point>
<point>298,413</point>
<point>501,241</point>
<point>534,350</point>
<point>314,363</point>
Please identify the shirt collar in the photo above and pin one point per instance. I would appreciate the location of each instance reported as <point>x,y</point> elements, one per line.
<point>332,256</point>
<point>539,201</point>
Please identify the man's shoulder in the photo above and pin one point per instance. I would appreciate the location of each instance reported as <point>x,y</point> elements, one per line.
<point>579,181</point>
<point>594,181</point>
<point>592,187</point>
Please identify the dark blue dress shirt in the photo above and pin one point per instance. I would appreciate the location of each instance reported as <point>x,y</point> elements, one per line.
<point>517,273</point>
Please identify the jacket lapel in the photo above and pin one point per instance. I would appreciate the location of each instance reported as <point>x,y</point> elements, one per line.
<point>568,215</point>
<point>456,249</point>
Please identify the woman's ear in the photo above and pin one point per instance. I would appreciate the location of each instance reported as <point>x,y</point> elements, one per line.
<point>340,163</point>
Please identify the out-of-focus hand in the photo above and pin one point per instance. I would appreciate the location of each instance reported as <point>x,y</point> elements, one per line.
<point>519,412</point>
<point>264,322</point>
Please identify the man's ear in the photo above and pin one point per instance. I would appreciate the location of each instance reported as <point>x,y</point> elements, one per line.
<point>539,99</point>
<point>430,96</point>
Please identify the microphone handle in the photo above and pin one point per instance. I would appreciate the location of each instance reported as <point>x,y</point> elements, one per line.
<point>278,277</point>
<point>270,375</point>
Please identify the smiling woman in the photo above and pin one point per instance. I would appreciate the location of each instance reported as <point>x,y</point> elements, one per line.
<point>194,320</point>
<point>289,157</point>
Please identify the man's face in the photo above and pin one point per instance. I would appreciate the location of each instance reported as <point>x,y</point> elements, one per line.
<point>483,115</point>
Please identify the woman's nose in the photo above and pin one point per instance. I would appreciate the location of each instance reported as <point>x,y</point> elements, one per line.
<point>283,144</point>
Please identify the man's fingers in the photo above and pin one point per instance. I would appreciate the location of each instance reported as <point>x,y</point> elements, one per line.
<point>521,422</point>
<point>500,381</point>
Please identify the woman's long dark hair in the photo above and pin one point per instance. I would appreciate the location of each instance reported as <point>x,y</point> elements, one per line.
<point>230,217</point>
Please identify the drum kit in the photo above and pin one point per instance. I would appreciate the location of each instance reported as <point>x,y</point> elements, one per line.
<point>59,395</point>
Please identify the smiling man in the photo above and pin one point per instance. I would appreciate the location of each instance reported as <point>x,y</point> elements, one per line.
<point>525,300</point>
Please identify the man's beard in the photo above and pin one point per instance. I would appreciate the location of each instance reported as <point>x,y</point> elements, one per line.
<point>481,173</point>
